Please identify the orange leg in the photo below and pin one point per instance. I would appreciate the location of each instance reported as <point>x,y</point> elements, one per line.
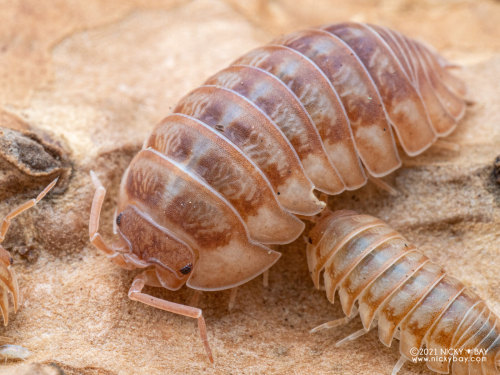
<point>446,145</point>
<point>195,298</point>
<point>399,364</point>
<point>354,336</point>
<point>148,277</point>
<point>384,185</point>
<point>118,252</point>
<point>336,322</point>
<point>8,280</point>
<point>232,298</point>
<point>6,221</point>
<point>265,278</point>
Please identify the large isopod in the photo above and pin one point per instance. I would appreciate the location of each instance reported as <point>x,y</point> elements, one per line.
<point>224,174</point>
<point>379,275</point>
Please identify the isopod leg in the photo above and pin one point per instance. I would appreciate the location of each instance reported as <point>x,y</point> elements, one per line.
<point>116,252</point>
<point>401,361</point>
<point>446,145</point>
<point>232,298</point>
<point>148,277</point>
<point>381,184</point>
<point>23,207</point>
<point>336,322</point>
<point>195,298</point>
<point>8,280</point>
<point>95,214</point>
<point>353,336</point>
<point>265,278</point>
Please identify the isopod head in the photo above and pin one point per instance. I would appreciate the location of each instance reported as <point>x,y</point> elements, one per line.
<point>173,258</point>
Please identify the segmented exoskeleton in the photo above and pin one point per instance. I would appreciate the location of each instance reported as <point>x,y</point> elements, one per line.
<point>224,174</point>
<point>399,290</point>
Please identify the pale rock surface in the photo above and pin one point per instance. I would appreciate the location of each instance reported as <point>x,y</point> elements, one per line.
<point>97,76</point>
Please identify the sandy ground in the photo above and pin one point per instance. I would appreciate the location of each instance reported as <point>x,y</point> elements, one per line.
<point>97,75</point>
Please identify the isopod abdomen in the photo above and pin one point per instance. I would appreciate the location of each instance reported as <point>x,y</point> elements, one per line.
<point>225,173</point>
<point>380,275</point>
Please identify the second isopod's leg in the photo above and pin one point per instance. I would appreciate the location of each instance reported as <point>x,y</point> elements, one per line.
<point>149,278</point>
<point>8,280</point>
<point>353,336</point>
<point>446,145</point>
<point>381,184</point>
<point>18,210</point>
<point>336,322</point>
<point>399,364</point>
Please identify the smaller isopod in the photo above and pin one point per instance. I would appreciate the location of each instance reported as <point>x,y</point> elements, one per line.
<point>379,275</point>
<point>8,279</point>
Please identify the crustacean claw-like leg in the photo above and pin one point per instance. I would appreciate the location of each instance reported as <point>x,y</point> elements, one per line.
<point>355,335</point>
<point>195,298</point>
<point>381,184</point>
<point>265,278</point>
<point>232,298</point>
<point>399,364</point>
<point>8,280</point>
<point>446,145</point>
<point>117,252</point>
<point>336,322</point>
<point>23,207</point>
<point>95,214</point>
<point>148,277</point>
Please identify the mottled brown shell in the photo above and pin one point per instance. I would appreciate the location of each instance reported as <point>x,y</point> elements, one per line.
<point>400,291</point>
<point>316,109</point>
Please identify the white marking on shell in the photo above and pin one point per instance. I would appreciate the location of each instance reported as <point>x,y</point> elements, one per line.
<point>256,57</point>
<point>228,79</point>
<point>318,105</point>
<point>195,103</point>
<point>233,185</point>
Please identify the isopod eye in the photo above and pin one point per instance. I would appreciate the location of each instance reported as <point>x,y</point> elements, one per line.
<point>119,219</point>
<point>186,269</point>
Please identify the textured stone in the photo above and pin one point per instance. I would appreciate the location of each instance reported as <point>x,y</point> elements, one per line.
<point>97,75</point>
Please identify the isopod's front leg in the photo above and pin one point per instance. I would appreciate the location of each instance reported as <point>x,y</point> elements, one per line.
<point>8,280</point>
<point>95,214</point>
<point>117,252</point>
<point>148,277</point>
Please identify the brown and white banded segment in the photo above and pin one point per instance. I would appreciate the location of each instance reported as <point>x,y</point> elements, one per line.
<point>225,173</point>
<point>226,169</point>
<point>399,290</point>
